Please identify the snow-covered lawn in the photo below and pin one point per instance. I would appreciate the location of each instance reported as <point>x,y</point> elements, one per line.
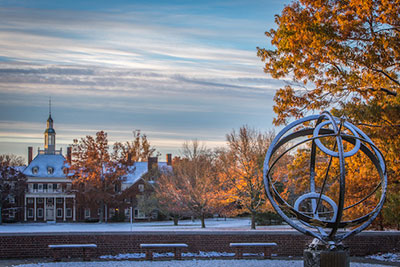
<point>390,257</point>
<point>187,263</point>
<point>211,224</point>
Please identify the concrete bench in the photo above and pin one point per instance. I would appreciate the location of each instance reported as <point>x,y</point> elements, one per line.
<point>240,246</point>
<point>56,248</point>
<point>149,248</point>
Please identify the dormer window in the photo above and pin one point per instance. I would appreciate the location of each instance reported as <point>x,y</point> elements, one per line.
<point>35,170</point>
<point>50,170</point>
<point>141,187</point>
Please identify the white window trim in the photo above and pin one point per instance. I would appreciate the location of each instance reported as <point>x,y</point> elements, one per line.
<point>11,199</point>
<point>141,187</point>
<point>39,200</point>
<point>50,170</point>
<point>30,215</point>
<point>140,214</point>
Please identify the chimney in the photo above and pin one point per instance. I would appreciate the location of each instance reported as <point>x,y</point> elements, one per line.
<point>151,162</point>
<point>169,159</point>
<point>30,154</point>
<point>129,159</point>
<point>69,154</point>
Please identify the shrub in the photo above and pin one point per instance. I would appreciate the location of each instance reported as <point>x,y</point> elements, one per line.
<point>268,218</point>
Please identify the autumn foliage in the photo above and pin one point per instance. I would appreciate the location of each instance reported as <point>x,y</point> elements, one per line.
<point>343,56</point>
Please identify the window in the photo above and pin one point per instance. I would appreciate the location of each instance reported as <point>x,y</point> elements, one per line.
<point>30,213</point>
<point>68,213</point>
<point>98,211</point>
<point>35,187</point>
<point>50,170</point>
<point>30,200</point>
<point>139,214</point>
<point>45,187</point>
<point>11,199</point>
<point>35,170</point>
<point>30,187</point>
<point>154,215</point>
<point>40,213</point>
<point>59,200</point>
<point>40,200</point>
<point>55,187</point>
<point>59,213</point>
<point>141,187</point>
<point>11,213</point>
<point>40,187</point>
<point>117,188</point>
<point>69,187</point>
<point>49,201</point>
<point>87,213</point>
<point>127,212</point>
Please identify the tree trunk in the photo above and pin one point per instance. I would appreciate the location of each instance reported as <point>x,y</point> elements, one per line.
<point>1,217</point>
<point>175,220</point>
<point>105,213</point>
<point>253,220</point>
<point>203,224</point>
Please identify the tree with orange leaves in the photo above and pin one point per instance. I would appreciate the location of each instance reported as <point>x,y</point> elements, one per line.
<point>344,56</point>
<point>192,186</point>
<point>241,170</point>
<point>96,175</point>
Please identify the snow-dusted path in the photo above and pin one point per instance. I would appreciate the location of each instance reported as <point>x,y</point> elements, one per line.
<point>240,224</point>
<point>187,263</point>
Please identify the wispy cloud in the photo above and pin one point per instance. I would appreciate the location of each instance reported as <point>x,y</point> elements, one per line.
<point>177,71</point>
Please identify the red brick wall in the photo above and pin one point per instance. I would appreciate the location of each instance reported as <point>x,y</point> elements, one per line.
<point>112,243</point>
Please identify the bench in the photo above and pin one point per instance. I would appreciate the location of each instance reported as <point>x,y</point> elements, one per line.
<point>150,247</point>
<point>240,246</point>
<point>56,248</point>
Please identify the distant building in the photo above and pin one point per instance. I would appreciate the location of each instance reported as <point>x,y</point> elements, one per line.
<point>49,196</point>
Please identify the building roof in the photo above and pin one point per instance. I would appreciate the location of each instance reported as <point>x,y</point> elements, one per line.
<point>19,168</point>
<point>138,169</point>
<point>41,166</point>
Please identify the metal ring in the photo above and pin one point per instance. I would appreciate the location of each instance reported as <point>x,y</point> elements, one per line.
<point>334,153</point>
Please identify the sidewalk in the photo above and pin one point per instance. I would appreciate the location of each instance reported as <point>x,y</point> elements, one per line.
<point>288,262</point>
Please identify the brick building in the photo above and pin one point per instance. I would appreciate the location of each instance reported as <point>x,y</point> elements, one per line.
<point>50,195</point>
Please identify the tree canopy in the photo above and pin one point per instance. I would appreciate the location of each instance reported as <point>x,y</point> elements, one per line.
<point>340,53</point>
<point>12,183</point>
<point>343,56</point>
<point>241,169</point>
<point>97,177</point>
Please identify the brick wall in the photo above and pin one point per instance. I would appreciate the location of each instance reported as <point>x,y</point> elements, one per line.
<point>290,243</point>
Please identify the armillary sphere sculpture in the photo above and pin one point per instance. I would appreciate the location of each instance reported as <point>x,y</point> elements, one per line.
<point>322,210</point>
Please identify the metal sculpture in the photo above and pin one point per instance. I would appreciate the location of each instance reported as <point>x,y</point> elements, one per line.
<point>328,224</point>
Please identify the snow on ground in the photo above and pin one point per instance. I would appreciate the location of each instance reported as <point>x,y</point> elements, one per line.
<point>390,257</point>
<point>184,225</point>
<point>187,263</point>
<point>201,254</point>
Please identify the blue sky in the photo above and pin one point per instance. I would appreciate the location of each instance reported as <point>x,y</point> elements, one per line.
<point>176,70</point>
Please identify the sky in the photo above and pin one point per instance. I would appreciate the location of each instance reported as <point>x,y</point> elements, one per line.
<point>176,70</point>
